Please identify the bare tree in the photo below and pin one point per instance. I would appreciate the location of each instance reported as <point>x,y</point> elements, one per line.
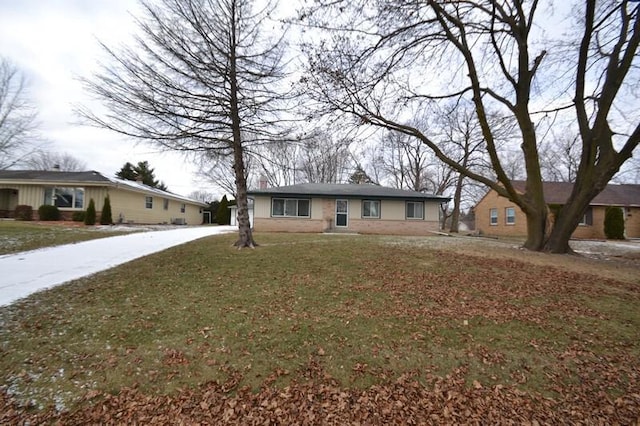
<point>219,171</point>
<point>203,196</point>
<point>276,161</point>
<point>48,160</point>
<point>201,78</point>
<point>370,158</point>
<point>560,157</point>
<point>373,65</point>
<point>462,140</point>
<point>406,162</point>
<point>630,172</point>
<point>17,117</point>
<point>325,158</point>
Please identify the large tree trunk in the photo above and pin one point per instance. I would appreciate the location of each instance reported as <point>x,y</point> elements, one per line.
<point>455,215</point>
<point>536,230</point>
<point>245,235</point>
<point>588,185</point>
<point>563,227</point>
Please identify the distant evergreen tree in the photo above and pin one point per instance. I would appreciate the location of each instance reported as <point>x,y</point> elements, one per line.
<point>127,172</point>
<point>213,209</point>
<point>105,216</point>
<point>90,216</point>
<point>223,215</point>
<point>359,176</point>
<point>143,171</point>
<point>614,223</point>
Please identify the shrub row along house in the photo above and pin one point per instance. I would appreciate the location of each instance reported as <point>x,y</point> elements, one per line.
<point>367,209</point>
<point>131,202</point>
<point>496,215</point>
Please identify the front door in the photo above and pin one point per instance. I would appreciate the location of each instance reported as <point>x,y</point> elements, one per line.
<point>342,213</point>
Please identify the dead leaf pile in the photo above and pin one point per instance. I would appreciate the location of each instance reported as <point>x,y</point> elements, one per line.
<point>500,290</point>
<point>410,399</point>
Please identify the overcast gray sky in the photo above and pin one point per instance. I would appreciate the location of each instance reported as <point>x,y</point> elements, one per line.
<point>55,41</point>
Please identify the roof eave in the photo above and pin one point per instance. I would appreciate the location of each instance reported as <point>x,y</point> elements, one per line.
<point>349,196</point>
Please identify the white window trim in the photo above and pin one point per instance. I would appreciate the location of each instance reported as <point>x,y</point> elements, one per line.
<point>491,222</point>
<point>73,199</point>
<point>297,200</point>
<point>406,210</point>
<point>506,216</point>
<point>379,208</point>
<point>148,202</point>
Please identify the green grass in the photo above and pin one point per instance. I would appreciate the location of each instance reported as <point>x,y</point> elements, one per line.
<point>364,310</point>
<point>17,236</point>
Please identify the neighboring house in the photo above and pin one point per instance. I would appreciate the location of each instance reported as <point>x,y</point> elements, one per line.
<point>367,209</point>
<point>234,213</point>
<point>131,202</point>
<point>496,215</point>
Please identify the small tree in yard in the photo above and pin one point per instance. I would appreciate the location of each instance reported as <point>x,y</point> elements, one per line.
<point>105,216</point>
<point>614,223</point>
<point>90,216</point>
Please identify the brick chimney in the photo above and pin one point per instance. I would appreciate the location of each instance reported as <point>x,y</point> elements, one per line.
<point>262,183</point>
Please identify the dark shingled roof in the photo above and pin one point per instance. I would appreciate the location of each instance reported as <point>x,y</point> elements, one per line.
<point>53,175</point>
<point>613,195</point>
<point>336,190</point>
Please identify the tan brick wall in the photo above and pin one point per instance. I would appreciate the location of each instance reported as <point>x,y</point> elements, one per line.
<point>594,231</point>
<point>483,219</point>
<point>393,227</point>
<point>632,223</point>
<point>322,219</point>
<point>287,225</point>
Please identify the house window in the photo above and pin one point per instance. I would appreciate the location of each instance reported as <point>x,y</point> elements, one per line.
<point>70,198</point>
<point>587,217</point>
<point>493,216</point>
<point>415,210</point>
<point>290,207</point>
<point>148,202</point>
<point>165,204</point>
<point>371,209</point>
<point>510,213</point>
<point>183,207</point>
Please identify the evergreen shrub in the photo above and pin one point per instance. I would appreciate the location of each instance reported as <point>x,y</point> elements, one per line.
<point>23,212</point>
<point>90,215</point>
<point>223,215</point>
<point>78,216</point>
<point>614,223</point>
<point>48,212</point>
<point>105,216</point>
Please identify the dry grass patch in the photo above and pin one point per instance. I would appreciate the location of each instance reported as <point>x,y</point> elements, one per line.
<point>326,318</point>
<point>17,236</point>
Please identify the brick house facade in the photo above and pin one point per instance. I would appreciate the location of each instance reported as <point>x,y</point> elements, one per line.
<point>496,215</point>
<point>366,209</point>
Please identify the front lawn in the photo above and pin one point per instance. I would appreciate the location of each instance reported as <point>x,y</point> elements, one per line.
<point>17,236</point>
<point>329,328</point>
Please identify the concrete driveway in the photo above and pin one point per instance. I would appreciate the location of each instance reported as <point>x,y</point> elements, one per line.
<point>24,273</point>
